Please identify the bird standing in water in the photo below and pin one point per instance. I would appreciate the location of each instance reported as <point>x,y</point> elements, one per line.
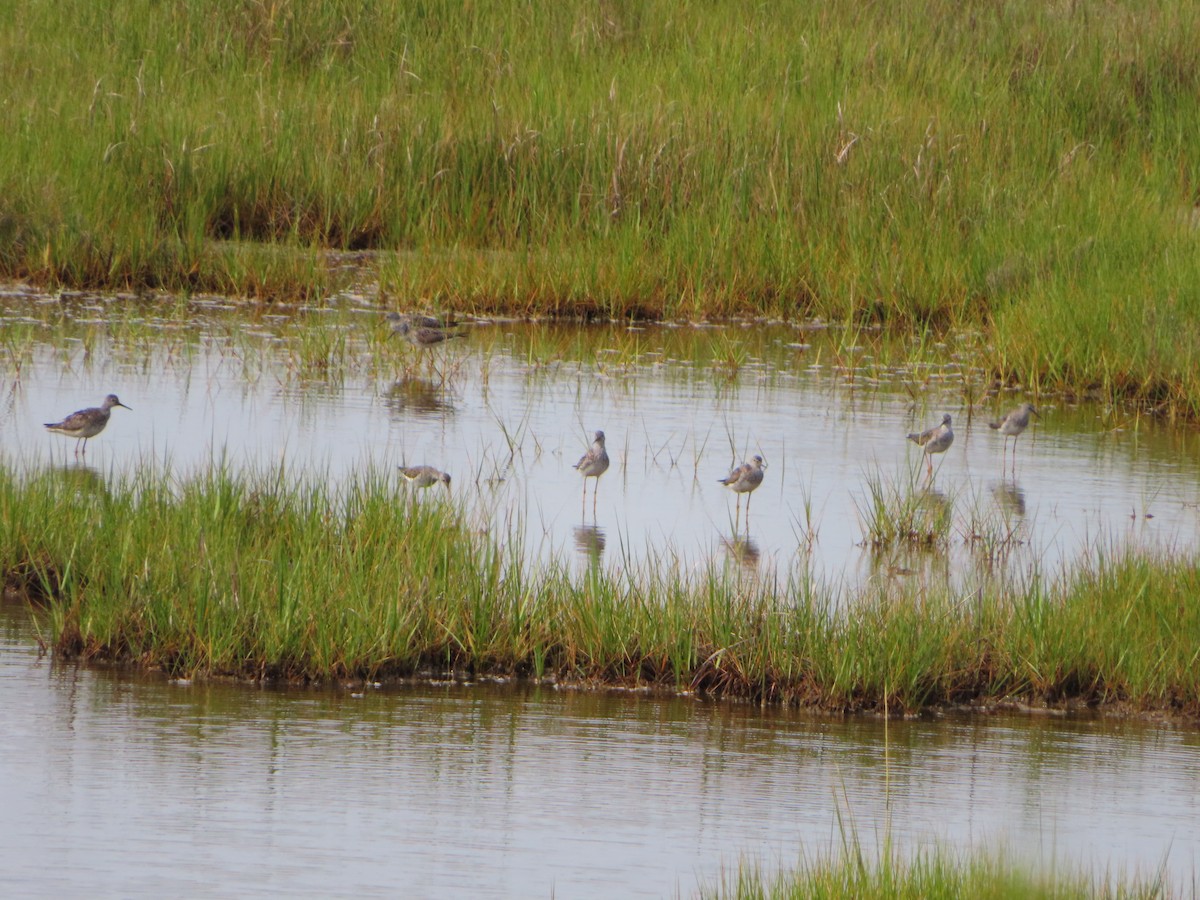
<point>1012,425</point>
<point>935,440</point>
<point>86,423</point>
<point>421,331</point>
<point>593,464</point>
<point>744,479</point>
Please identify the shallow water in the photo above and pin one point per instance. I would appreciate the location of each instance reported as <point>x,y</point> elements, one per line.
<point>511,407</point>
<point>123,786</point>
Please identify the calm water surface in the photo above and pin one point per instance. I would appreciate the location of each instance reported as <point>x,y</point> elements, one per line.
<point>120,786</point>
<point>125,786</point>
<point>508,410</point>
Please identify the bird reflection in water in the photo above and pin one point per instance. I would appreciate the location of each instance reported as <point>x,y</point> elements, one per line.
<point>590,541</point>
<point>418,396</point>
<point>935,502</point>
<point>1010,497</point>
<point>83,478</point>
<point>743,550</point>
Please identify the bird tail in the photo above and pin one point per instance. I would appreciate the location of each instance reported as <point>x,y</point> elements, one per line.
<point>994,424</point>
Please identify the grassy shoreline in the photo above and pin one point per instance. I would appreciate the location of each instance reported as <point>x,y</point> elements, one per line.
<point>1024,168</point>
<point>254,577</point>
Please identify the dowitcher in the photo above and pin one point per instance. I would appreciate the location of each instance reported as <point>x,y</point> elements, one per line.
<point>1012,425</point>
<point>421,331</point>
<point>86,423</point>
<point>424,476</point>
<point>593,464</point>
<point>744,479</point>
<point>935,440</point>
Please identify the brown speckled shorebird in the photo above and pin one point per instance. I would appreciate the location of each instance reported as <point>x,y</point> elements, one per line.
<point>744,479</point>
<point>593,464</point>
<point>1012,425</point>
<point>424,476</point>
<point>935,440</point>
<point>86,423</point>
<point>421,331</point>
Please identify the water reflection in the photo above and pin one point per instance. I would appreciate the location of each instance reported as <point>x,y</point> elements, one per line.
<point>473,791</point>
<point>83,478</point>
<point>1010,497</point>
<point>419,397</point>
<point>899,567</point>
<point>215,385</point>
<point>742,550</point>
<point>590,542</point>
<point>936,503</point>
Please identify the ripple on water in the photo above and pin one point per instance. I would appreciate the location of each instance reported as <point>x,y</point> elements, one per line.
<point>140,786</point>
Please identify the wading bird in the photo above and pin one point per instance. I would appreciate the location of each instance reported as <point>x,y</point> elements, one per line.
<point>744,479</point>
<point>86,423</point>
<point>935,440</point>
<point>424,476</point>
<point>422,331</point>
<point>593,464</point>
<point>1012,425</point>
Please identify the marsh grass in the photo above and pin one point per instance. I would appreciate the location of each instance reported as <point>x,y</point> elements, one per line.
<point>1026,169</point>
<point>341,340</point>
<point>994,531</point>
<point>904,511</point>
<point>261,577</point>
<point>931,873</point>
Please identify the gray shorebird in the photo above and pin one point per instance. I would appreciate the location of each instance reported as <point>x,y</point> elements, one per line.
<point>744,479</point>
<point>420,320</point>
<point>1012,425</point>
<point>935,440</point>
<point>593,464</point>
<point>421,331</point>
<point>86,423</point>
<point>424,476</point>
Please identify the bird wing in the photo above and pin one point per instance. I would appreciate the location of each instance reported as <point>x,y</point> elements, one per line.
<point>735,475</point>
<point>77,419</point>
<point>920,438</point>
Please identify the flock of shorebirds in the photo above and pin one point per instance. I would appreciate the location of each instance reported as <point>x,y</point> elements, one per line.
<point>427,331</point>
<point>939,438</point>
<point>746,478</point>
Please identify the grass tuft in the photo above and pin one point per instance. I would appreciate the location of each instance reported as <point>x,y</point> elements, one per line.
<point>255,576</point>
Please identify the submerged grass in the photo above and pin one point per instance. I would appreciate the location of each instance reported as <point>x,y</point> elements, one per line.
<point>255,576</point>
<point>1026,167</point>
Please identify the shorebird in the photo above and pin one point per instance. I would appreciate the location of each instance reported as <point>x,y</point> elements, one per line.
<point>420,320</point>
<point>421,331</point>
<point>1012,425</point>
<point>86,423</point>
<point>935,440</point>
<point>593,464</point>
<point>424,476</point>
<point>744,479</point>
